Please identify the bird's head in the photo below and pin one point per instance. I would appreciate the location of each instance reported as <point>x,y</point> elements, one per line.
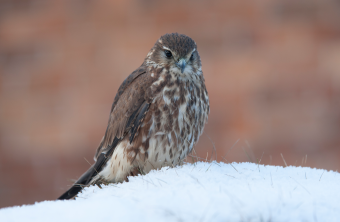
<point>176,52</point>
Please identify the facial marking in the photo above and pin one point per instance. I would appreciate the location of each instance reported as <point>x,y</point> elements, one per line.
<point>166,48</point>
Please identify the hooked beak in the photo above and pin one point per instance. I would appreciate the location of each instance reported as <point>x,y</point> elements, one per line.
<point>181,64</point>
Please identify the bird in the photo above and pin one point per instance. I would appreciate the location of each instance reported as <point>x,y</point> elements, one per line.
<point>156,118</point>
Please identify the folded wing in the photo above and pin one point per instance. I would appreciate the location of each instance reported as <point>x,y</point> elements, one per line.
<point>128,110</point>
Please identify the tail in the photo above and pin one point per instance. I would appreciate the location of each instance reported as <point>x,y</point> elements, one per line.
<point>79,185</point>
<point>86,178</point>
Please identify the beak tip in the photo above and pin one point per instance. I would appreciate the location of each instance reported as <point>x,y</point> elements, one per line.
<point>182,65</point>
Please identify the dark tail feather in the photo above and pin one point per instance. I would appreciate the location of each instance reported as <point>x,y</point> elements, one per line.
<point>86,178</point>
<point>78,186</point>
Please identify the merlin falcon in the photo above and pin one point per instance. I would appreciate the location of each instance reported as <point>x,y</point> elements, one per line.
<point>156,118</point>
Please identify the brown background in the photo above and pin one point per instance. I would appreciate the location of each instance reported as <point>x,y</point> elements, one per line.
<point>272,70</point>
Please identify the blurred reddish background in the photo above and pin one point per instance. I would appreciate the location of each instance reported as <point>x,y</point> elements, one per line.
<point>272,70</point>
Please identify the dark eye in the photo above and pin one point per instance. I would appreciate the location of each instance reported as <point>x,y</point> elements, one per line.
<point>192,57</point>
<point>168,54</point>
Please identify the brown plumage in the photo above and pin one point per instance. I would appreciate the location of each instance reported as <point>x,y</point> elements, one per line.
<point>157,115</point>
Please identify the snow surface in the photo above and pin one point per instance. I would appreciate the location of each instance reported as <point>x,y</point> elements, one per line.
<point>201,192</point>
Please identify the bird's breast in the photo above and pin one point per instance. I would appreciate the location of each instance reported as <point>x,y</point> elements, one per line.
<point>180,109</point>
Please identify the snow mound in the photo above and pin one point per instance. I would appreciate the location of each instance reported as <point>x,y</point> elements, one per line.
<point>201,192</point>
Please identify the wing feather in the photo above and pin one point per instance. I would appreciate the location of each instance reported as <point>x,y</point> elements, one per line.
<point>127,112</point>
